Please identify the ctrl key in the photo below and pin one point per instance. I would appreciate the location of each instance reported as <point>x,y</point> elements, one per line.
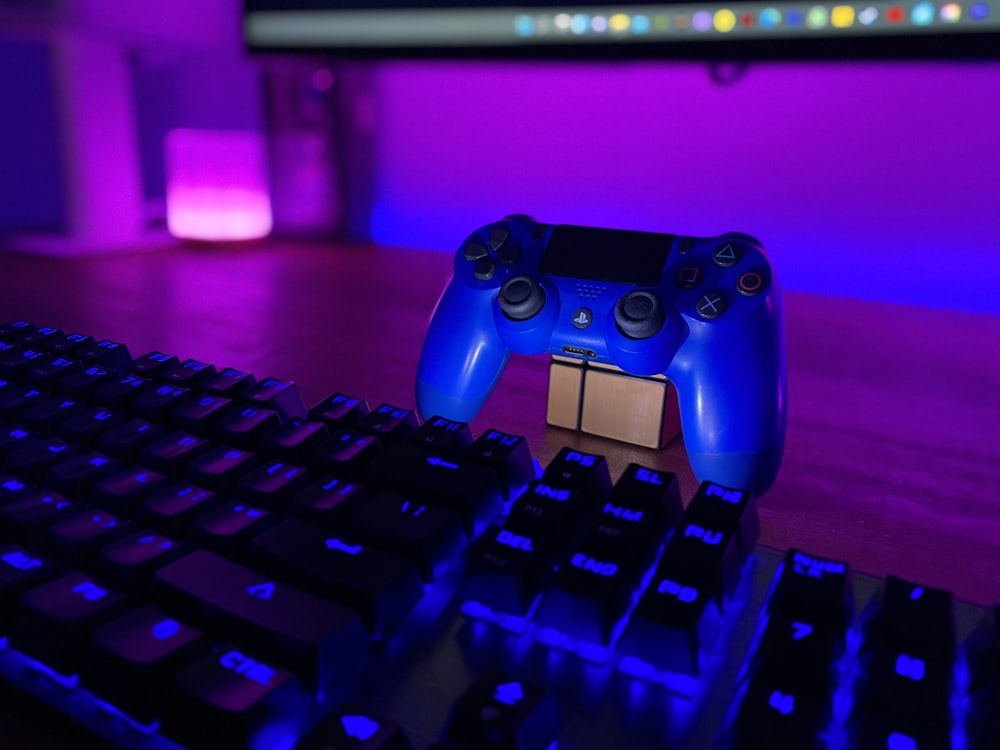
<point>500,712</point>
<point>230,699</point>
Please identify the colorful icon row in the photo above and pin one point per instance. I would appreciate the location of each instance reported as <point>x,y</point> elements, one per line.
<point>922,13</point>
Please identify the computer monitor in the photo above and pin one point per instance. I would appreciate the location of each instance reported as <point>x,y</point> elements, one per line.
<point>688,29</point>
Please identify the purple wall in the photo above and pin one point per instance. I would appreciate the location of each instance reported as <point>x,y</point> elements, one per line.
<point>866,180</point>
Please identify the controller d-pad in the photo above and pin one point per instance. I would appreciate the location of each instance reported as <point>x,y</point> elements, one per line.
<point>727,254</point>
<point>640,314</point>
<point>498,236</point>
<point>711,305</point>
<point>473,251</point>
<point>509,255</point>
<point>751,283</point>
<point>485,269</point>
<point>521,298</point>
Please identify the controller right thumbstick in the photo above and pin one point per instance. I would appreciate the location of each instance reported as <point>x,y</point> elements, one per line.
<point>640,314</point>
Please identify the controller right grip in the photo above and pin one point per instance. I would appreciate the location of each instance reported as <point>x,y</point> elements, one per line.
<point>463,356</point>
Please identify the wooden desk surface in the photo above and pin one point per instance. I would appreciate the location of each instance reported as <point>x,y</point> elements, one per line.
<point>892,459</point>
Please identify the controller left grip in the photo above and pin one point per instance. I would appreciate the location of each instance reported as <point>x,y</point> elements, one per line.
<point>463,356</point>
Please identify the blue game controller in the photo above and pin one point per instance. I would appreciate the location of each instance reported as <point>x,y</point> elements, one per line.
<point>704,311</point>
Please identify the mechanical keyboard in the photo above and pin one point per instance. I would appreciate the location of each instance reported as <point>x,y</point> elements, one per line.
<point>191,557</point>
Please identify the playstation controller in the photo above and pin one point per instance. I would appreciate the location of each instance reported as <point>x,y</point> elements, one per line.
<point>703,311</point>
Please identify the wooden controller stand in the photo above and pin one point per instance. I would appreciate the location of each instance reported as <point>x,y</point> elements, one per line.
<point>603,400</point>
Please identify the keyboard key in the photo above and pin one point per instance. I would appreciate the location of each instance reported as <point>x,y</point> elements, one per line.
<point>13,437</point>
<point>507,571</point>
<point>122,492</point>
<point>28,519</point>
<point>329,502</point>
<point>445,435</point>
<point>499,711</point>
<point>508,456</point>
<point>228,383</point>
<point>246,427</point>
<point>86,428</point>
<point>380,586</point>
<point>130,562</point>
<point>132,660</point>
<point>174,510</point>
<point>35,459</point>
<point>729,508</point>
<point>813,587</point>
<point>120,393</point>
<point>14,488</point>
<point>171,455</point>
<point>20,570</point>
<point>774,715</point>
<point>76,539</point>
<point>159,401</point>
<point>586,471</point>
<point>347,453</point>
<point>153,365</point>
<point>339,411</point>
<point>430,536</point>
<point>389,423</point>
<point>350,728</point>
<point>230,527</point>
<point>77,476</point>
<point>200,415</point>
<point>272,485</point>
<point>232,694</point>
<point>82,385</point>
<point>321,642</point>
<point>295,439</point>
<point>276,395</point>
<point>470,489</point>
<point>221,468</point>
<point>127,441</point>
<point>52,622</point>
<point>188,373</point>
<point>104,353</point>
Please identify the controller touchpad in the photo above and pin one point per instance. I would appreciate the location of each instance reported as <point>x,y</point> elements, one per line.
<point>613,256</point>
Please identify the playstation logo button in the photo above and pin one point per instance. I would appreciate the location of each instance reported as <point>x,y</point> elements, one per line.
<point>583,318</point>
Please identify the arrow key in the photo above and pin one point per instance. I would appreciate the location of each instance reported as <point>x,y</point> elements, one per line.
<point>349,728</point>
<point>500,711</point>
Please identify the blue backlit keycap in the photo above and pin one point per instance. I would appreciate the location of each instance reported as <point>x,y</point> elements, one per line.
<point>152,365</point>
<point>77,476</point>
<point>119,393</point>
<point>430,536</point>
<point>380,586</point>
<point>30,517</point>
<point>705,556</point>
<point>245,427</point>
<point>52,622</point>
<point>499,711</point>
<point>281,396</point>
<point>83,384</point>
<point>129,562</point>
<point>727,507</point>
<point>35,459</point>
<point>577,469</point>
<point>351,728</point>
<point>558,513</point>
<point>200,414</point>
<point>159,401</point>
<point>507,570</point>
<point>347,453</point>
<point>774,714</point>
<point>47,374</point>
<point>14,437</point>
<point>174,510</point>
<point>339,411</point>
<point>50,413</point>
<point>15,399</point>
<point>14,488</point>
<point>171,455</point>
<point>229,527</point>
<point>132,659</point>
<point>220,468</point>
<point>79,537</point>
<point>323,643</point>
<point>228,383</point>
<point>122,492</point>
<point>645,490</point>
<point>445,435</point>
<point>471,489</point>
<point>389,423</point>
<point>588,594</point>
<point>16,363</point>
<point>674,625</point>
<point>233,698</point>
<point>127,441</point>
<point>510,458</point>
<point>86,428</point>
<point>272,485</point>
<point>104,353</point>
<point>294,440</point>
<point>329,502</point>
<point>188,373</point>
<point>20,570</point>
<point>813,587</point>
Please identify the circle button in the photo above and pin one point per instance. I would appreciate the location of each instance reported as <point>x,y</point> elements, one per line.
<point>751,284</point>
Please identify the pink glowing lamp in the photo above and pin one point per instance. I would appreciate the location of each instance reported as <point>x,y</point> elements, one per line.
<point>217,186</point>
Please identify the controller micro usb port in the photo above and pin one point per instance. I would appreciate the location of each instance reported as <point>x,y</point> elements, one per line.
<point>576,351</point>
